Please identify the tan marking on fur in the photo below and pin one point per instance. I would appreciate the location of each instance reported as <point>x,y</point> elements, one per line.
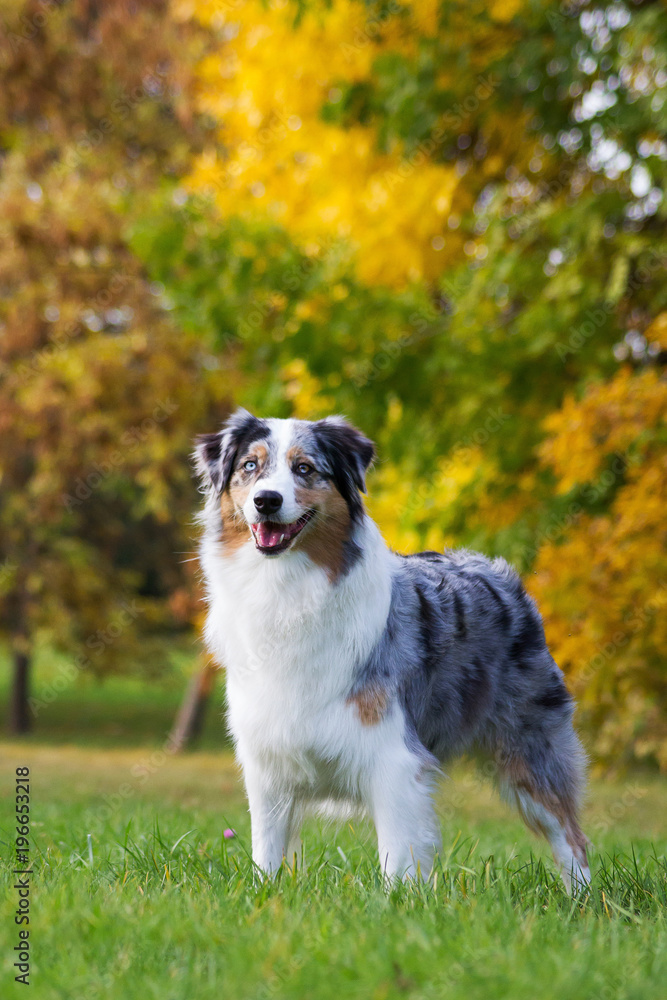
<point>577,840</point>
<point>371,705</point>
<point>295,455</point>
<point>235,532</point>
<point>258,451</point>
<point>324,539</point>
<point>518,774</point>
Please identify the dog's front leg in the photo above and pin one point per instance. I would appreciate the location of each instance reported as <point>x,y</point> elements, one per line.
<point>402,808</point>
<point>271,819</point>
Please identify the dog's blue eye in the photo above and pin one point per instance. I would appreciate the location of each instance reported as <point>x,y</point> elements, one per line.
<point>303,468</point>
<point>250,466</point>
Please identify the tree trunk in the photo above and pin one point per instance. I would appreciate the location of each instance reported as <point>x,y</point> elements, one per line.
<point>190,719</point>
<point>19,716</point>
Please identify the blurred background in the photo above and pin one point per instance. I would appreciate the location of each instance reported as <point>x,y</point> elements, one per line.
<point>443,219</point>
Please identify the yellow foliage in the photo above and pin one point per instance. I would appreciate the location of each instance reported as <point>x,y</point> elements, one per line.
<point>609,420</point>
<point>504,10</point>
<point>656,333</point>
<point>305,392</point>
<point>603,590</point>
<point>266,88</point>
<point>411,512</point>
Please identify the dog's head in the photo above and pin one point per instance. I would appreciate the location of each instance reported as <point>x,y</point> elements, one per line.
<point>286,484</point>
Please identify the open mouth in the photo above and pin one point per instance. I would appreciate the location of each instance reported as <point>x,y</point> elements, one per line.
<point>272,537</point>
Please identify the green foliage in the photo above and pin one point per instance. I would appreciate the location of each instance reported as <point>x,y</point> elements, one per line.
<point>556,246</point>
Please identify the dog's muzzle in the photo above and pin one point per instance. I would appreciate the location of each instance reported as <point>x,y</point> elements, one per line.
<point>272,537</point>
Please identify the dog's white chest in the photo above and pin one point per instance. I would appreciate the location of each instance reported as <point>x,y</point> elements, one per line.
<point>292,643</point>
<point>290,729</point>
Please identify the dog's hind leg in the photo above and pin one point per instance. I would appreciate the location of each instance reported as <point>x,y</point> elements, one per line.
<point>545,786</point>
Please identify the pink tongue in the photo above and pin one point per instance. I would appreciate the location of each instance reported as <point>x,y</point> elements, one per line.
<point>269,534</point>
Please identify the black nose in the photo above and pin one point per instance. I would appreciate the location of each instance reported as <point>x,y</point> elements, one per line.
<point>268,501</point>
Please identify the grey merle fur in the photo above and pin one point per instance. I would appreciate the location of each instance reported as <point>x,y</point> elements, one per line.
<point>464,653</point>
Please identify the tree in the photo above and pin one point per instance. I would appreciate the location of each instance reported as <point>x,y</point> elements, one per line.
<point>602,581</point>
<point>446,218</point>
<point>101,392</point>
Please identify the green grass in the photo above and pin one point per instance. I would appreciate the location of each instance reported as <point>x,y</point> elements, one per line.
<point>168,909</point>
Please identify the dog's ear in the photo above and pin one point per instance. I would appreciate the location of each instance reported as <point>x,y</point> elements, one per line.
<point>348,453</point>
<point>215,454</point>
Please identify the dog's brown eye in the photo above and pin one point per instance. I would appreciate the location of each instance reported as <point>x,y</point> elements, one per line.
<point>304,469</point>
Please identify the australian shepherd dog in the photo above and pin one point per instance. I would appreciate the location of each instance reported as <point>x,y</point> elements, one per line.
<point>353,672</point>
